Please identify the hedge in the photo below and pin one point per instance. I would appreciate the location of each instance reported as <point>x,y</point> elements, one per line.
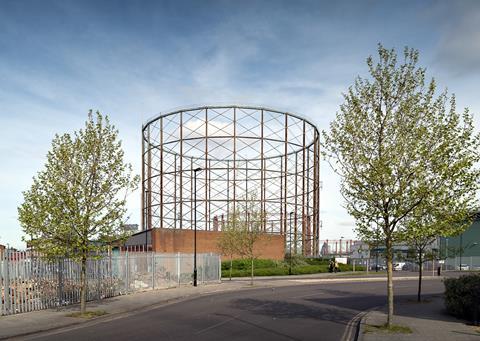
<point>244,264</point>
<point>462,296</point>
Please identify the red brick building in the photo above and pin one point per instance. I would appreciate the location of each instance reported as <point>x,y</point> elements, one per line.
<point>270,246</point>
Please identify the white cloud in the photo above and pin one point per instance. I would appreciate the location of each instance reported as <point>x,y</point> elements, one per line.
<point>294,58</point>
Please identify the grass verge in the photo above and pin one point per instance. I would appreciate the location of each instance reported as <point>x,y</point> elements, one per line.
<point>268,267</point>
<point>393,329</point>
<point>88,314</point>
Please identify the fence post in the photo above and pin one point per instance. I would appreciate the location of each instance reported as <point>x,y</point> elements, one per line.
<point>203,268</point>
<point>153,270</point>
<point>60,282</point>
<point>178,268</point>
<point>98,262</point>
<point>2,280</point>
<point>6,266</point>
<point>127,266</point>
<point>219,269</point>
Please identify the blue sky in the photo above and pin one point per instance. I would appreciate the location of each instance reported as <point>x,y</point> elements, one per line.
<point>133,59</point>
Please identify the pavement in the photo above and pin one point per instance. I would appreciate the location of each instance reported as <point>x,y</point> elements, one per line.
<point>427,320</point>
<point>21,325</point>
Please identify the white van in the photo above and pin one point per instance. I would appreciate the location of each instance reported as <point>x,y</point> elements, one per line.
<point>398,266</point>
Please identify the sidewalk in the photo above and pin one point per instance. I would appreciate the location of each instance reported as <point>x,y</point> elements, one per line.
<point>427,320</point>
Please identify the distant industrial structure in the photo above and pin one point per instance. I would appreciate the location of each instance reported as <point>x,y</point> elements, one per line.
<point>130,228</point>
<point>200,164</point>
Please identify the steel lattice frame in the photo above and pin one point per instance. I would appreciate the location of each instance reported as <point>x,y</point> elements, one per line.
<point>241,149</point>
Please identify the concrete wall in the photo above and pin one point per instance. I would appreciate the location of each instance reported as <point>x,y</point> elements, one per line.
<point>176,240</point>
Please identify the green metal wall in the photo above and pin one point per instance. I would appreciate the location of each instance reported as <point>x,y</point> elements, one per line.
<point>468,241</point>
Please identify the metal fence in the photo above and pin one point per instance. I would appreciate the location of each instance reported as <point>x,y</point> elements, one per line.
<point>467,263</point>
<point>31,283</point>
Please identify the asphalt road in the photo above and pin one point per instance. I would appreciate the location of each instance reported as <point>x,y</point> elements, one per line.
<point>303,312</point>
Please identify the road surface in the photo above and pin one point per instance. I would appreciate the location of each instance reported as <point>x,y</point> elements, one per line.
<point>314,311</point>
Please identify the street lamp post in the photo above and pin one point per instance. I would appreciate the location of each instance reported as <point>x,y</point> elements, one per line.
<point>195,226</point>
<point>290,265</point>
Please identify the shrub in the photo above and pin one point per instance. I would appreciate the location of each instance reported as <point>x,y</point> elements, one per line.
<point>295,260</point>
<point>257,272</point>
<point>317,261</point>
<point>462,296</point>
<point>244,264</point>
<point>309,269</point>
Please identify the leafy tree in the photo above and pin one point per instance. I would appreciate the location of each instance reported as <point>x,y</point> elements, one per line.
<point>396,144</point>
<point>444,217</point>
<point>247,223</point>
<point>76,204</point>
<point>229,240</point>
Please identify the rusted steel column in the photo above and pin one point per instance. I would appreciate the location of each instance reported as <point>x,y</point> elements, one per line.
<point>228,191</point>
<point>262,174</point>
<point>309,202</point>
<point>303,192</point>
<point>181,170</point>
<point>246,185</point>
<point>314,208</point>
<point>281,198</point>
<point>234,157</point>
<point>285,181</point>
<point>318,194</point>
<point>209,194</point>
<point>205,173</point>
<point>161,173</point>
<point>296,202</point>
<point>264,214</point>
<point>149,183</point>
<point>144,211</point>
<point>175,194</point>
<point>191,193</point>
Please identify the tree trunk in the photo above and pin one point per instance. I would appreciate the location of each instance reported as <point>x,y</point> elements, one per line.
<point>83,284</point>
<point>231,264</point>
<point>251,279</point>
<point>389,282</point>
<point>420,268</point>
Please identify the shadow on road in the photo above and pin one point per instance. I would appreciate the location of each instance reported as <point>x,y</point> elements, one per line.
<point>288,310</point>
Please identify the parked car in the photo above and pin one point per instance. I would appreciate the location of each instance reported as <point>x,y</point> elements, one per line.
<point>409,266</point>
<point>398,266</point>
<point>380,267</point>
<point>463,267</point>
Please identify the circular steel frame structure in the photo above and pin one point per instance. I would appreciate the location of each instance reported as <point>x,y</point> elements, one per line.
<point>241,150</point>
